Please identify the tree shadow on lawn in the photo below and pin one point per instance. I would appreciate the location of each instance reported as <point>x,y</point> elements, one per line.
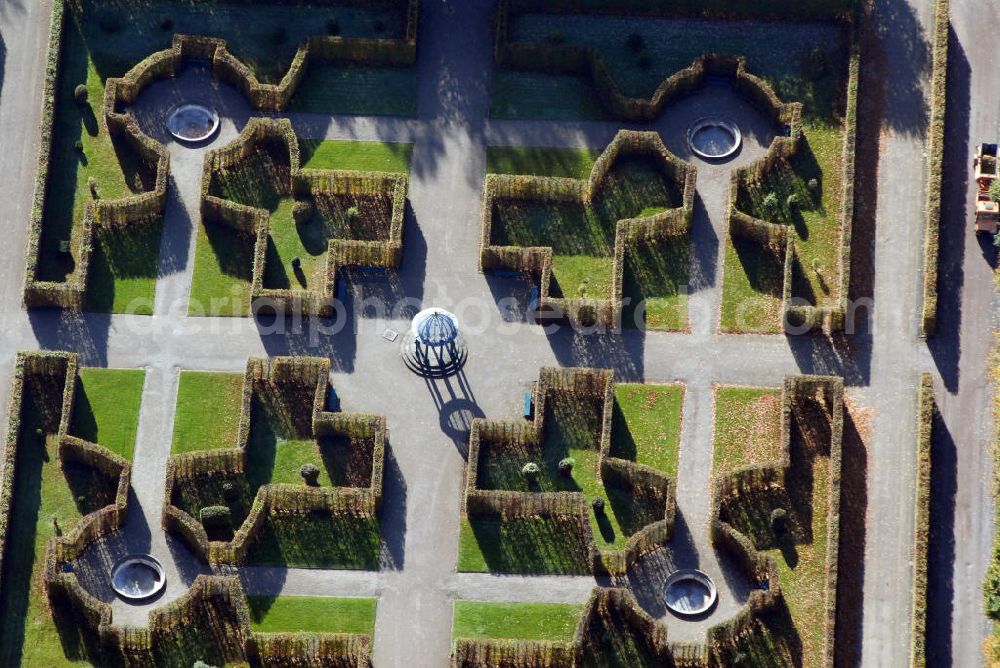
<point>531,545</point>
<point>318,540</point>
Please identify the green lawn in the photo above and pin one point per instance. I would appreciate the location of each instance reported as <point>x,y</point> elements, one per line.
<point>747,426</point>
<point>582,236</point>
<point>523,545</point>
<point>208,411</point>
<point>572,163</point>
<point>655,280</point>
<point>49,497</point>
<point>357,89</point>
<point>516,621</point>
<point>752,288</point>
<point>363,156</point>
<point>748,429</point>
<point>124,269</point>
<point>646,427</point>
<point>318,540</point>
<point>106,408</point>
<point>223,269</point>
<point>312,614</point>
<point>528,95</point>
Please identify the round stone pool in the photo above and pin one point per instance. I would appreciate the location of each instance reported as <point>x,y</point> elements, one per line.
<point>714,138</point>
<point>193,123</point>
<point>137,577</point>
<point>689,592</point>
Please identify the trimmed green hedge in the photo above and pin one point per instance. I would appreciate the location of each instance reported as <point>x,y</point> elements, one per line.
<point>537,261</point>
<point>935,166</point>
<point>926,408</point>
<point>268,380</point>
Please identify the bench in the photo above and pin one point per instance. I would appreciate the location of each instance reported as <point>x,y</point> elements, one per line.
<point>528,408</point>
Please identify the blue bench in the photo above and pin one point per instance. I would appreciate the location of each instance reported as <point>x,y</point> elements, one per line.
<point>528,408</point>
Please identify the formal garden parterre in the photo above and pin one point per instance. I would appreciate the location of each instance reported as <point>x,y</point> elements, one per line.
<point>101,189</point>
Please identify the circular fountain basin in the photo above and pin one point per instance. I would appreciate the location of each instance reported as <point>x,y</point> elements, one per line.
<point>193,123</point>
<point>137,577</point>
<point>689,592</point>
<point>714,138</point>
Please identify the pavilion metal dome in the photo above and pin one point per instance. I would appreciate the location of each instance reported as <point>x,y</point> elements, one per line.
<point>435,327</point>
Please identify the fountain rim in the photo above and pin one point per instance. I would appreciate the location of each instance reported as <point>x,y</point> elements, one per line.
<point>715,121</point>
<point>696,575</point>
<point>146,560</point>
<point>200,107</point>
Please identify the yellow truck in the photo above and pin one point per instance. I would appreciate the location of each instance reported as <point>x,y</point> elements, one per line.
<point>986,168</point>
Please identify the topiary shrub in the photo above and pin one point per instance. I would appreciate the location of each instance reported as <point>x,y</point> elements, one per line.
<point>813,185</point>
<point>64,249</point>
<point>635,42</point>
<point>80,94</point>
<point>310,474</point>
<point>598,505</point>
<point>770,206</point>
<point>229,491</point>
<point>216,518</point>
<point>792,202</point>
<point>202,664</point>
<point>332,27</point>
<point>302,211</point>
<point>566,466</point>
<point>78,145</point>
<point>530,470</point>
<point>779,521</point>
<point>353,213</point>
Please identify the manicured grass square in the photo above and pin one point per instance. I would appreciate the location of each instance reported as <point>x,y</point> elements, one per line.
<point>358,89</point>
<point>752,288</point>
<point>124,269</point>
<point>106,408</point>
<point>318,540</point>
<point>524,545</point>
<point>747,427</point>
<point>516,621</point>
<point>362,156</point>
<point>223,272</point>
<point>646,427</point>
<point>572,163</point>
<point>311,614</point>
<point>208,411</point>
<point>525,95</point>
<point>655,280</point>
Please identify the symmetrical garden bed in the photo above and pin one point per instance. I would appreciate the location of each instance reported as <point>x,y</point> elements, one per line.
<point>101,186</point>
<point>630,61</point>
<point>579,489</point>
<point>247,499</point>
<point>586,241</point>
<point>289,229</point>
<point>777,497</point>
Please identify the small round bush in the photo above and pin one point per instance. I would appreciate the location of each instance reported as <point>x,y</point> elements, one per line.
<point>78,145</point>
<point>779,520</point>
<point>813,185</point>
<point>556,37</point>
<point>202,664</point>
<point>792,202</point>
<point>229,491</point>
<point>80,94</point>
<point>165,22</point>
<point>302,211</point>
<point>215,518</point>
<point>598,505</point>
<point>332,27</point>
<point>566,466</point>
<point>530,470</point>
<point>310,474</point>
<point>635,42</point>
<point>279,35</point>
<point>770,205</point>
<point>81,501</point>
<point>353,213</point>
<point>109,22</point>
<point>39,432</point>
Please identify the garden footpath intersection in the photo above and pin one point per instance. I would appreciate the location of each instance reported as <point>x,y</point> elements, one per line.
<point>428,420</point>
